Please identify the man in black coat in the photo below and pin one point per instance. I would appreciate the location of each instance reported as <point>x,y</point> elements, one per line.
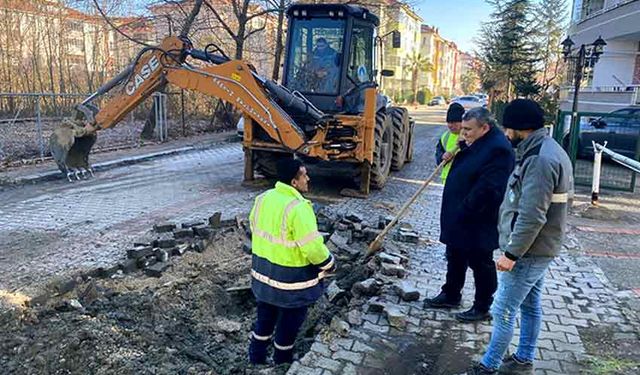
<point>469,215</point>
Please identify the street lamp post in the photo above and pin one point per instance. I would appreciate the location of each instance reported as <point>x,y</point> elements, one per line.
<point>586,57</point>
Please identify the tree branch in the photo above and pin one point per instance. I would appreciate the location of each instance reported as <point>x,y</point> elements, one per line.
<point>222,22</point>
<point>192,16</point>
<point>255,31</point>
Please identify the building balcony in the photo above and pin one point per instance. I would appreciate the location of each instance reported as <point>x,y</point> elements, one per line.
<point>607,18</point>
<point>601,99</point>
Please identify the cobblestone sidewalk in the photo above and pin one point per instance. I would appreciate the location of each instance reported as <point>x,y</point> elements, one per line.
<point>577,296</point>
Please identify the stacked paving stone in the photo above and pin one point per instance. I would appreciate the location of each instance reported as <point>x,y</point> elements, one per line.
<point>172,240</point>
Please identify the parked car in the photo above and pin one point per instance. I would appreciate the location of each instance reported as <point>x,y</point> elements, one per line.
<point>438,100</point>
<point>483,97</point>
<point>469,101</point>
<point>620,129</point>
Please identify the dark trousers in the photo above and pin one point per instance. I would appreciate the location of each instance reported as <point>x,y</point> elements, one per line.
<point>286,323</point>
<point>484,274</point>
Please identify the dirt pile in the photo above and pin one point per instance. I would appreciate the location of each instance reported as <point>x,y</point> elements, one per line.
<point>183,322</point>
<point>195,318</point>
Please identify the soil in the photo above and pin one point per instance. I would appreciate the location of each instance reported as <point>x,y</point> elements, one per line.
<point>610,353</point>
<point>194,319</point>
<point>183,322</point>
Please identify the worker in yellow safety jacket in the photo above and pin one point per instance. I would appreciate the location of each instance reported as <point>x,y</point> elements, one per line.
<point>449,139</point>
<point>289,262</point>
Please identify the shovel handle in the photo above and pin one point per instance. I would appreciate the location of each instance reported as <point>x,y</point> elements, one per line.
<point>377,243</point>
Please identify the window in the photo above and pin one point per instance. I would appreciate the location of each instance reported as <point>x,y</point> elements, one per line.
<point>315,56</point>
<point>76,43</point>
<point>361,60</point>
<point>75,26</point>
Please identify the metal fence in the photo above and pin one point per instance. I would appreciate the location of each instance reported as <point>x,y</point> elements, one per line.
<point>28,119</point>
<point>619,129</point>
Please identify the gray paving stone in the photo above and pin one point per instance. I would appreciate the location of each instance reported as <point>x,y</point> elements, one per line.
<point>349,369</point>
<point>353,357</point>
<point>576,348</point>
<point>546,344</point>
<point>373,318</point>
<point>562,328</point>
<point>552,364</point>
<point>375,327</point>
<point>320,348</point>
<point>362,348</point>
<point>553,335</point>
<point>594,318</point>
<point>298,369</point>
<point>360,335</point>
<point>328,363</point>
<point>561,356</point>
<point>573,339</point>
<point>342,343</point>
<point>574,322</point>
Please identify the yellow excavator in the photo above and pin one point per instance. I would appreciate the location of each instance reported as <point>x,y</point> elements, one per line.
<point>327,110</point>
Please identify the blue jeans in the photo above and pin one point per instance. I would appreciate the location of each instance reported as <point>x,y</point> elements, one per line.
<point>521,288</point>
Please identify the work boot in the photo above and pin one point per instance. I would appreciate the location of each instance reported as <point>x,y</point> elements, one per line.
<point>473,315</point>
<point>479,369</point>
<point>514,366</point>
<point>441,301</point>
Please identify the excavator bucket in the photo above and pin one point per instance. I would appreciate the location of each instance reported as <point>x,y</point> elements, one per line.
<point>70,147</point>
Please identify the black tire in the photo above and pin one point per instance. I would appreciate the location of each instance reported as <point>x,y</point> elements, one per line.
<point>382,151</point>
<point>410,135</point>
<point>264,162</point>
<point>400,122</point>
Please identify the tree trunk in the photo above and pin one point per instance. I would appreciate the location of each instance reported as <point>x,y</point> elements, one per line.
<point>414,83</point>
<point>279,42</point>
<point>150,123</point>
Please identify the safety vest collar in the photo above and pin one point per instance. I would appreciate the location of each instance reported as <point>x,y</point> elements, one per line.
<point>289,190</point>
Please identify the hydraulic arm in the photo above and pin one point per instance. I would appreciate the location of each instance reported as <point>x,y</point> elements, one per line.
<point>264,101</point>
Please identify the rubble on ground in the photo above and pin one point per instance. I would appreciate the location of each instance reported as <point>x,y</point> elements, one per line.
<point>180,302</point>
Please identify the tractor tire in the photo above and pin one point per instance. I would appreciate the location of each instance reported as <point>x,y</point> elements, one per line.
<point>382,151</point>
<point>265,162</point>
<point>410,135</point>
<point>400,122</point>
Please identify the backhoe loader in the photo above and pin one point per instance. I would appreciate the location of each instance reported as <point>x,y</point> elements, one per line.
<point>327,109</point>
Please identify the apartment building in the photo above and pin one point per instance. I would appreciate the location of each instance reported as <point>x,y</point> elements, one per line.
<point>444,78</point>
<point>48,46</point>
<point>615,80</point>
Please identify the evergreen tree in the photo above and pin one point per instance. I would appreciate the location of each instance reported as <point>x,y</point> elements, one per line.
<point>508,48</point>
<point>550,26</point>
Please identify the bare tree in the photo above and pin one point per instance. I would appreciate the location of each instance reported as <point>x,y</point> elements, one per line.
<point>241,27</point>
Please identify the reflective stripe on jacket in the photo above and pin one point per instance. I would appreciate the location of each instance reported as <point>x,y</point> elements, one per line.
<point>289,255</point>
<point>449,141</point>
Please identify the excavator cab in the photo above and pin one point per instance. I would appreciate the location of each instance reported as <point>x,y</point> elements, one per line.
<point>329,55</point>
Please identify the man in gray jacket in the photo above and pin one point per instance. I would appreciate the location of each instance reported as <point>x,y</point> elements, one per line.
<point>532,225</point>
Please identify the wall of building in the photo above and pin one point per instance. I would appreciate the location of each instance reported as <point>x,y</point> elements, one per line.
<point>616,66</point>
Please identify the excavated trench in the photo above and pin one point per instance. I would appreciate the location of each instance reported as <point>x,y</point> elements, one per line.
<point>195,318</point>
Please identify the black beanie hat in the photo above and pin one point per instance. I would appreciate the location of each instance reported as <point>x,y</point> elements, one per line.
<point>455,112</point>
<point>288,169</point>
<point>523,114</point>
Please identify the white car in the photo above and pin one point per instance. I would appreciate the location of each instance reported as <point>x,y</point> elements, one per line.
<point>469,101</point>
